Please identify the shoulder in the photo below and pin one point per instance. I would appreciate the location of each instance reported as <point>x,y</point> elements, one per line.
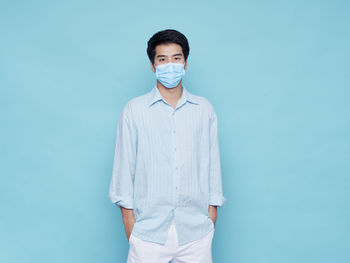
<point>135,104</point>
<point>205,104</point>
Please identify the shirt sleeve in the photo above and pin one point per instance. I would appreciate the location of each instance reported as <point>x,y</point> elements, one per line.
<point>121,187</point>
<point>216,197</point>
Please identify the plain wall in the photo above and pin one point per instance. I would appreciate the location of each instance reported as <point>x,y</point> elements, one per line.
<point>276,72</point>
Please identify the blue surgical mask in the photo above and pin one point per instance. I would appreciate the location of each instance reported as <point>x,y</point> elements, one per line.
<point>170,74</point>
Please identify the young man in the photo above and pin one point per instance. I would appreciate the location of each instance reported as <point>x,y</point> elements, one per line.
<point>166,173</point>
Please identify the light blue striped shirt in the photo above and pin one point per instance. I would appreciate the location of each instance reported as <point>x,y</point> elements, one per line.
<point>167,166</point>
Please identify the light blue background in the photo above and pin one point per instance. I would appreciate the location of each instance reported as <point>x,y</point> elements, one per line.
<point>277,73</point>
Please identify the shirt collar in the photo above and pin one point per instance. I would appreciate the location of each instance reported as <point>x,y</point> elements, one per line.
<point>186,96</point>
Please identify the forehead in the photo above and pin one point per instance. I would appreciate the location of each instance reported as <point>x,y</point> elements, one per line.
<point>168,49</point>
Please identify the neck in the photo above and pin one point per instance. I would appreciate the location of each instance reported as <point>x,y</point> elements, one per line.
<point>171,95</point>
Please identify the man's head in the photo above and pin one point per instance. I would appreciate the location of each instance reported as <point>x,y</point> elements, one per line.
<point>165,38</point>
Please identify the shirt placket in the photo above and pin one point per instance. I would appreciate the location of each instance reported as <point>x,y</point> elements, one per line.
<point>176,167</point>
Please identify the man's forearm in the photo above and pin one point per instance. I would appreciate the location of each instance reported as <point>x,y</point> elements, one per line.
<point>128,220</point>
<point>127,214</point>
<point>213,213</point>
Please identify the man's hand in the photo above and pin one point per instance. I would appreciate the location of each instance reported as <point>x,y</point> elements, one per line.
<point>213,213</point>
<point>128,220</point>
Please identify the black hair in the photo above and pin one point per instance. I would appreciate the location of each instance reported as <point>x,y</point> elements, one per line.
<point>166,37</point>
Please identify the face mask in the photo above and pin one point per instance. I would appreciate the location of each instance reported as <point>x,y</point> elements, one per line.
<point>170,74</point>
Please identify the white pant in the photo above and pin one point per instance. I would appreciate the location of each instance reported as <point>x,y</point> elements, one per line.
<point>198,251</point>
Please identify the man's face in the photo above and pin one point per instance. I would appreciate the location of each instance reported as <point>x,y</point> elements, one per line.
<point>166,53</point>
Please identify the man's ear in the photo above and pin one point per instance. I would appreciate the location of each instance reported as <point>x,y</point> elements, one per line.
<point>152,67</point>
<point>185,65</point>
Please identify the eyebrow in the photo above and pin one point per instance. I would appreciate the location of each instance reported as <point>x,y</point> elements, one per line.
<point>164,56</point>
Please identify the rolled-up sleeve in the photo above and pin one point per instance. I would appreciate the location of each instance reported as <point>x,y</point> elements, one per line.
<point>122,182</point>
<point>216,197</point>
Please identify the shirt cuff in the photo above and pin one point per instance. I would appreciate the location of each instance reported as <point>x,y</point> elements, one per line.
<point>124,202</point>
<point>216,199</point>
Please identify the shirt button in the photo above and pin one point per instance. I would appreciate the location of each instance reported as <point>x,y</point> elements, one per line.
<point>175,149</point>
<point>176,167</point>
<point>174,131</point>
